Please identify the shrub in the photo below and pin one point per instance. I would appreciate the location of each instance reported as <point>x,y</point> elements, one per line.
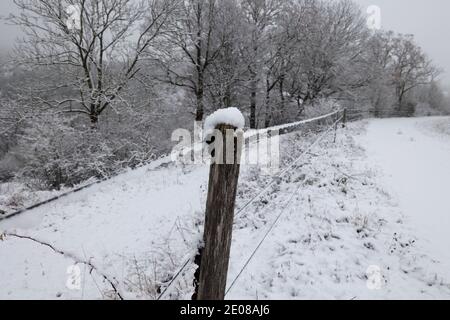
<point>56,153</point>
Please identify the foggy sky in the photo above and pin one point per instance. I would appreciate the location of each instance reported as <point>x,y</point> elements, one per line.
<point>427,20</point>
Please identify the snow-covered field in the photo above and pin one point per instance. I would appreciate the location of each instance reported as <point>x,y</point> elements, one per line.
<point>345,231</point>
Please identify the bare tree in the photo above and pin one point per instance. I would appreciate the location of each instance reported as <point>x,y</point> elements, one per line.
<point>228,70</point>
<point>315,51</point>
<point>411,67</point>
<point>397,66</point>
<point>190,46</point>
<point>260,16</point>
<point>96,46</point>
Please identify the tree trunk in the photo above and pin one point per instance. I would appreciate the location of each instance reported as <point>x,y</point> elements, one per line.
<point>268,115</point>
<point>400,101</point>
<point>227,96</point>
<point>94,116</point>
<point>400,97</point>
<point>253,103</point>
<point>200,99</point>
<point>199,65</point>
<point>377,111</point>
<point>282,98</point>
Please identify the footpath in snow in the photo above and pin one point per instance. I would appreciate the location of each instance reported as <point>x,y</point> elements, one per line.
<point>414,155</point>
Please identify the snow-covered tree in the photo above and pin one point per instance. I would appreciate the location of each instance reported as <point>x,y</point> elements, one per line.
<point>260,17</point>
<point>411,67</point>
<point>191,44</point>
<point>95,47</point>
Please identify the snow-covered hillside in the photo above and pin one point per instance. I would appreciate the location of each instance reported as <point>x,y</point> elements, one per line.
<point>343,233</point>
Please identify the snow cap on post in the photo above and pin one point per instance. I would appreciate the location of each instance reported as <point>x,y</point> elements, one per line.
<point>229,116</point>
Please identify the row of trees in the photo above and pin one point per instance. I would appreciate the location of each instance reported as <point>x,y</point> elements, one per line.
<point>260,54</point>
<point>127,68</point>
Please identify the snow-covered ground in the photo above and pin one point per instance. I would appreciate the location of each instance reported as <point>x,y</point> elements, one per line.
<point>17,196</point>
<point>344,232</point>
<point>415,157</point>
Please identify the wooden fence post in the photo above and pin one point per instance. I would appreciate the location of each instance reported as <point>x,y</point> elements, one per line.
<point>213,259</point>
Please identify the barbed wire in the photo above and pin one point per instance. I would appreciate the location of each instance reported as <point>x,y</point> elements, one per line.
<point>272,226</point>
<point>186,263</point>
<point>282,173</point>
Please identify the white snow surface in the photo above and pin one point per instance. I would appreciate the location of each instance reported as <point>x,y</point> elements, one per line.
<point>17,196</point>
<point>414,155</point>
<point>231,116</point>
<point>346,215</point>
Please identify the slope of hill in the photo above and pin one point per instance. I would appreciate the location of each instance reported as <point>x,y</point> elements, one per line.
<point>341,235</point>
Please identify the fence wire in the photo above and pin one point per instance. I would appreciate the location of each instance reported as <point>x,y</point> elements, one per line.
<point>262,192</point>
<point>285,207</point>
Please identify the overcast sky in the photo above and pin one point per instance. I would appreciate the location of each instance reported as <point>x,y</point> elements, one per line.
<point>428,20</point>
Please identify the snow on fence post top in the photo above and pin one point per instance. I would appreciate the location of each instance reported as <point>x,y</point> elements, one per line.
<point>228,116</point>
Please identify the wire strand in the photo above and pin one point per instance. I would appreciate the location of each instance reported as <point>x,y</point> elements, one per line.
<point>282,173</point>
<point>186,263</point>
<point>173,279</point>
<point>282,211</point>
